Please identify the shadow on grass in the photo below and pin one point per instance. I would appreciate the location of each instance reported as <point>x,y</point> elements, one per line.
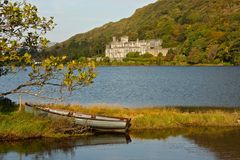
<point>7,106</point>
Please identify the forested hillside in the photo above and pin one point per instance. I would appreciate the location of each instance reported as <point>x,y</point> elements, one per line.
<point>200,31</point>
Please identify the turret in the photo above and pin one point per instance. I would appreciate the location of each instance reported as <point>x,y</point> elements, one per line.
<point>124,39</point>
<point>114,39</point>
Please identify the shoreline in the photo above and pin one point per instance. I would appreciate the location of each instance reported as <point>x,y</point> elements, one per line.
<point>131,133</point>
<point>166,65</point>
<point>15,125</point>
<point>134,133</point>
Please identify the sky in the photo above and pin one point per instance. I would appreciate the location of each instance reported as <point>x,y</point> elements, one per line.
<point>79,16</point>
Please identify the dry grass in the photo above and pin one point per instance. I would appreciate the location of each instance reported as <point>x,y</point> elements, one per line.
<point>158,118</point>
<point>21,125</point>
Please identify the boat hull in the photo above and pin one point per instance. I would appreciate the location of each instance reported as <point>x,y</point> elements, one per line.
<point>99,123</point>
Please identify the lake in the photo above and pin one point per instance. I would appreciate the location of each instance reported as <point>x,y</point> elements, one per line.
<point>143,86</point>
<point>180,144</point>
<point>153,86</point>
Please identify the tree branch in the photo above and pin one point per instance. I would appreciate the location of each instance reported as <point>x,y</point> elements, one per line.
<point>20,87</point>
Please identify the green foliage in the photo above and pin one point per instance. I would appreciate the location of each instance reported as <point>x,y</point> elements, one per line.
<point>170,55</point>
<point>22,33</point>
<point>7,102</point>
<point>133,55</point>
<point>21,27</point>
<point>159,59</point>
<point>235,52</point>
<point>134,58</point>
<point>195,56</point>
<point>147,55</point>
<point>21,125</point>
<point>206,26</point>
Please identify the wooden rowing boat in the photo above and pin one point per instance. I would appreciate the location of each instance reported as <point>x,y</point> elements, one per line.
<point>99,123</point>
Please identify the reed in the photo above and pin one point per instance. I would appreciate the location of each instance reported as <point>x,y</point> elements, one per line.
<point>164,117</point>
<point>21,125</point>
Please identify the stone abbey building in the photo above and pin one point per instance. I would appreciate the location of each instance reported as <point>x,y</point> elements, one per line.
<point>118,49</point>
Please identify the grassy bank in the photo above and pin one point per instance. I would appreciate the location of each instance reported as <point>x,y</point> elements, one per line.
<point>159,118</point>
<point>23,125</point>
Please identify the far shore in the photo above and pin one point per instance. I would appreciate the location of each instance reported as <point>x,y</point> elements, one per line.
<point>24,125</point>
<point>167,65</point>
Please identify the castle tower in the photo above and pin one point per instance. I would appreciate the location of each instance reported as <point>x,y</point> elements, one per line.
<point>124,39</point>
<point>118,49</point>
<point>114,39</point>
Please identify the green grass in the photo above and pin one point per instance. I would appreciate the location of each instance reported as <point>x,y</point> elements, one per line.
<point>159,118</point>
<point>21,125</point>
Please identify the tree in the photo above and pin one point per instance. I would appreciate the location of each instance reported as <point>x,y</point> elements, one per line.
<point>195,56</point>
<point>133,55</point>
<point>212,52</point>
<point>147,55</point>
<point>180,58</point>
<point>170,55</point>
<point>22,28</point>
<point>234,50</point>
<point>160,59</point>
<point>223,53</point>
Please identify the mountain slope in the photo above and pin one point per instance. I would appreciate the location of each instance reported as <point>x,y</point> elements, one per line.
<point>201,30</point>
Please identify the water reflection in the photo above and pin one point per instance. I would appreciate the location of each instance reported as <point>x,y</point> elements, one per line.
<point>204,143</point>
<point>51,146</point>
<point>224,143</point>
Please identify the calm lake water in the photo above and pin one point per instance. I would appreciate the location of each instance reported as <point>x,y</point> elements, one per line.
<point>155,86</point>
<point>187,144</point>
<point>143,86</point>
